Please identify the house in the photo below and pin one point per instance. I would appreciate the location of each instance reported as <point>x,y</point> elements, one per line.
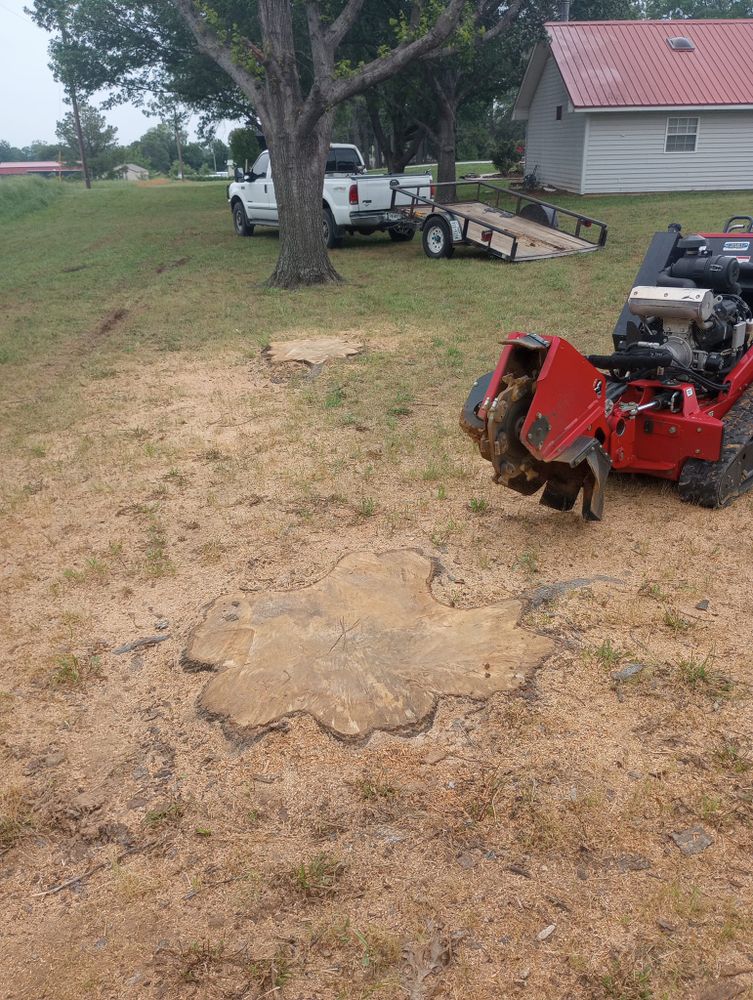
<point>130,172</point>
<point>640,106</point>
<point>43,167</point>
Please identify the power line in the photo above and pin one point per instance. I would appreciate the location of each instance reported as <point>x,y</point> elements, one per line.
<point>21,17</point>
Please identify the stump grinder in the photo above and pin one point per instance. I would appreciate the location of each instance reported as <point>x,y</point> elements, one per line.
<point>674,399</point>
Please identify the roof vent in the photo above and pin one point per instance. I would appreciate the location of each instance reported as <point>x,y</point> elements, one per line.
<point>680,44</point>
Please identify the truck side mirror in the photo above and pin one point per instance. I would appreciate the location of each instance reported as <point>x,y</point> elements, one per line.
<point>239,175</point>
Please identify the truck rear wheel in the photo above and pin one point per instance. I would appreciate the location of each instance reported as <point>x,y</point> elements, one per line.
<point>332,238</point>
<point>401,234</point>
<point>240,220</point>
<point>437,239</point>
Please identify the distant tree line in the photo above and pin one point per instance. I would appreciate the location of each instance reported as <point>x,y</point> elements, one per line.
<point>156,150</point>
<point>407,80</point>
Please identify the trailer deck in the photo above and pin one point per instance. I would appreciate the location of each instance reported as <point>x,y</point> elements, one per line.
<point>529,230</point>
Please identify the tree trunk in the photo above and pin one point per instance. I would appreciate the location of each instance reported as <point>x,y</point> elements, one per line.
<point>298,175</point>
<point>179,147</point>
<point>446,141</point>
<point>445,86</point>
<point>80,136</point>
<point>73,98</point>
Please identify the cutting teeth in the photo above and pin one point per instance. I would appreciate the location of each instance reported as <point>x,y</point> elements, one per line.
<point>508,472</point>
<point>528,471</point>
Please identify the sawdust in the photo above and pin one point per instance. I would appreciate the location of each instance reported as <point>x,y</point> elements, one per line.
<point>499,820</point>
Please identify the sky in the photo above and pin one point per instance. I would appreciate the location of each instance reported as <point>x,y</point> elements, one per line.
<point>32,101</point>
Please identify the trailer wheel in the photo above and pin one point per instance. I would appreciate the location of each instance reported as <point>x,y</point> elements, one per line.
<point>240,220</point>
<point>331,237</point>
<point>437,239</point>
<point>401,234</point>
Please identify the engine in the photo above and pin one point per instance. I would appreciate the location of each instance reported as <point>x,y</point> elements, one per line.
<point>701,331</point>
<point>693,321</point>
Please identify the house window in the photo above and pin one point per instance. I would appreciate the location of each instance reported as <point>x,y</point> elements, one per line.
<point>682,135</point>
<point>558,113</point>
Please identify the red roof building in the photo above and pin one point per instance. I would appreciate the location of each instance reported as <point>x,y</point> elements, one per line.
<point>640,106</point>
<point>36,167</point>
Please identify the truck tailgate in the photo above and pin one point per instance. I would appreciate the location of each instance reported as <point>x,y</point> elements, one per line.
<point>375,190</point>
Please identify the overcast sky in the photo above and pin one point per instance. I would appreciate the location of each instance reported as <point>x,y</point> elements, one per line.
<point>32,100</point>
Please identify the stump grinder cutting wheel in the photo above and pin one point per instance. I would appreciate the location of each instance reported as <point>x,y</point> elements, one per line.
<point>674,400</point>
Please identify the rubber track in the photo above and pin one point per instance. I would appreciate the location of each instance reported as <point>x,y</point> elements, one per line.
<point>705,483</point>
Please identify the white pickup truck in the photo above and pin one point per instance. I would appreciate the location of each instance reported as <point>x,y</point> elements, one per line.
<point>352,200</point>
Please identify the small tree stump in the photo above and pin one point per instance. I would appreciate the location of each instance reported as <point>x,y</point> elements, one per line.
<point>310,352</point>
<point>367,647</point>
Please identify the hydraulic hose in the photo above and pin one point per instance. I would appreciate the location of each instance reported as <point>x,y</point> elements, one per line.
<point>632,361</point>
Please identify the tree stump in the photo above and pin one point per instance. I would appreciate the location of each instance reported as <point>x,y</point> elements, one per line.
<point>311,351</point>
<point>367,647</point>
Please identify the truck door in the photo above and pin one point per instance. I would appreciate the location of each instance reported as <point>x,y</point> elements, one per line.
<point>256,190</point>
<point>269,197</point>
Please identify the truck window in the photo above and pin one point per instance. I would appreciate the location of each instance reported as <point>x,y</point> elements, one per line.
<point>342,161</point>
<point>262,162</point>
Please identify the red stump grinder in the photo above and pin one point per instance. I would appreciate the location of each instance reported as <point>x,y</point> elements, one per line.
<point>674,400</point>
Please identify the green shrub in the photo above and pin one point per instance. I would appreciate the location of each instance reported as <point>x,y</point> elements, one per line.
<point>504,156</point>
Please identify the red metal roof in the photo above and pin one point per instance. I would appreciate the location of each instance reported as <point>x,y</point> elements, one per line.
<point>629,64</point>
<point>33,167</point>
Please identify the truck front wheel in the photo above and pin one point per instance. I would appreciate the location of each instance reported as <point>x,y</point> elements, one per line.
<point>332,237</point>
<point>240,221</point>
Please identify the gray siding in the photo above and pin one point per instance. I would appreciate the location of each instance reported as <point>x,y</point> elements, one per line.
<point>625,152</point>
<point>554,147</point>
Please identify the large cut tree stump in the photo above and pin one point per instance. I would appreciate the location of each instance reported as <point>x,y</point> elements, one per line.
<point>367,647</point>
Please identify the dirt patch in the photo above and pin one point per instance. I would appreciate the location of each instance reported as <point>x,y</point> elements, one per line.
<point>195,866</point>
<point>110,321</point>
<point>171,265</point>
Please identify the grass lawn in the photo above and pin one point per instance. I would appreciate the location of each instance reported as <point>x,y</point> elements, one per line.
<point>153,460</point>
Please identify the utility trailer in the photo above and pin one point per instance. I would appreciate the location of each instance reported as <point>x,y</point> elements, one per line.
<point>509,225</point>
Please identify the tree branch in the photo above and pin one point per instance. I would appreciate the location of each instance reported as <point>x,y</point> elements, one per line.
<point>372,110</point>
<point>322,53</point>
<point>412,147</point>
<point>209,43</point>
<point>382,67</point>
<point>504,22</point>
<point>343,22</point>
<point>429,130</point>
<point>488,35</point>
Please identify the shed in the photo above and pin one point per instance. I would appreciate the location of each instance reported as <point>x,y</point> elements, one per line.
<point>131,172</point>
<point>640,106</point>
